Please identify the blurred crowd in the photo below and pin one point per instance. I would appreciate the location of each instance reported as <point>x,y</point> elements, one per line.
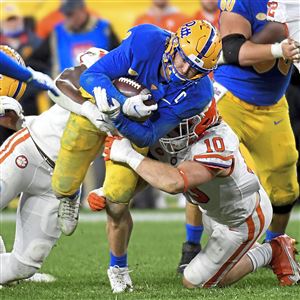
<point>52,43</point>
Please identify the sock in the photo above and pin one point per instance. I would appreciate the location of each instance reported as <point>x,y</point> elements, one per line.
<point>260,256</point>
<point>120,261</point>
<point>193,233</point>
<point>270,235</point>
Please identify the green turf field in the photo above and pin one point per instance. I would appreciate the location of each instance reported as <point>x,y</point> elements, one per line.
<point>79,263</point>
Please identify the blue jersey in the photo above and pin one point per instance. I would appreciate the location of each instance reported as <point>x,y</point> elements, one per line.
<point>139,56</point>
<point>264,83</point>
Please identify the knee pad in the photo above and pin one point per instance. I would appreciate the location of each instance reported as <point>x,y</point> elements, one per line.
<point>35,254</point>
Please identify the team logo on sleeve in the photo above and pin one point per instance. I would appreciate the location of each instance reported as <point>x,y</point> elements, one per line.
<point>21,161</point>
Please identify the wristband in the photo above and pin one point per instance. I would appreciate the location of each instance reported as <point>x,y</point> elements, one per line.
<point>134,159</point>
<point>276,50</point>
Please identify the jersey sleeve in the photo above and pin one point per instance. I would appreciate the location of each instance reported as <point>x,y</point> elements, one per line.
<point>217,149</point>
<point>148,133</point>
<point>240,7</point>
<point>12,69</point>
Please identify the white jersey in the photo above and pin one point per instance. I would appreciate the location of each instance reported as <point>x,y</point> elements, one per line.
<point>286,12</point>
<point>47,129</point>
<point>228,200</point>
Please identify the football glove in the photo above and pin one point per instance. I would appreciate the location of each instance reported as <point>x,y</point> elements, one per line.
<point>99,119</point>
<point>8,103</point>
<point>42,81</point>
<point>105,105</point>
<point>96,200</point>
<point>119,149</point>
<point>135,107</point>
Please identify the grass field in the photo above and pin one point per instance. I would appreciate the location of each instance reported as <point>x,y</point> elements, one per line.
<point>79,263</point>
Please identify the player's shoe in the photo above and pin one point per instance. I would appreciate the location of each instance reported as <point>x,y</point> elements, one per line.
<point>119,279</point>
<point>283,263</point>
<point>41,277</point>
<point>189,251</point>
<point>68,214</point>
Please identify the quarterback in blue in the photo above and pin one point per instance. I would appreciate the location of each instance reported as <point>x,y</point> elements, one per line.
<point>172,67</point>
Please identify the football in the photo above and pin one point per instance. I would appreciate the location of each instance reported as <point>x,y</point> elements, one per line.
<point>129,88</point>
<point>9,86</point>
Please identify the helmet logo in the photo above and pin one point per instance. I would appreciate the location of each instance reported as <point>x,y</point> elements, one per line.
<point>185,31</point>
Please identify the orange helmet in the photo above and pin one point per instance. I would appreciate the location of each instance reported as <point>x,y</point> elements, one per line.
<point>190,130</point>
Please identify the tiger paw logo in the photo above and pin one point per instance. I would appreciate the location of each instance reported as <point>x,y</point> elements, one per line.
<point>21,161</point>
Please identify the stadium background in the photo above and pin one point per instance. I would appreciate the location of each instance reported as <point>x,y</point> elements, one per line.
<point>121,14</point>
<point>154,273</point>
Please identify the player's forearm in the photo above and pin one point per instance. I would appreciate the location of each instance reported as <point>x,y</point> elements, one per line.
<point>142,135</point>
<point>251,53</point>
<point>89,80</point>
<point>161,176</point>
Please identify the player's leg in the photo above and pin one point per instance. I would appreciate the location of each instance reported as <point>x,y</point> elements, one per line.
<point>80,143</point>
<point>194,229</point>
<point>119,187</point>
<point>268,136</point>
<point>36,233</point>
<point>275,155</point>
<point>226,247</point>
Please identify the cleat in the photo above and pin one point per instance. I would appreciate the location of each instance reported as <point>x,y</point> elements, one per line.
<point>189,251</point>
<point>283,263</point>
<point>119,279</point>
<point>68,214</point>
<point>41,277</point>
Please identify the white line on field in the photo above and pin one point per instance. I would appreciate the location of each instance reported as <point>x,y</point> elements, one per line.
<point>137,217</point>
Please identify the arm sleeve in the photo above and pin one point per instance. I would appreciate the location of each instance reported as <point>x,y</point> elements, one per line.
<point>12,69</point>
<point>113,65</point>
<point>147,133</point>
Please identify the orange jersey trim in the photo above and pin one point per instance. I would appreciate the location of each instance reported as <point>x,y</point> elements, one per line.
<point>12,144</point>
<point>245,247</point>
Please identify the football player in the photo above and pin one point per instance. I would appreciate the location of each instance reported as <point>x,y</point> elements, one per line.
<point>27,160</point>
<point>211,172</point>
<point>250,89</point>
<point>174,68</point>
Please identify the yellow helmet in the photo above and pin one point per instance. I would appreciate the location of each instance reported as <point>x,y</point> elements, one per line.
<point>197,42</point>
<point>9,86</point>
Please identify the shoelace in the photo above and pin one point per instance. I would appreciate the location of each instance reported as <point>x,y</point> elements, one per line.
<point>69,209</point>
<point>119,274</point>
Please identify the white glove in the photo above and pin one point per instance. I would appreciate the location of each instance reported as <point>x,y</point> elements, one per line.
<point>135,107</point>
<point>42,81</point>
<point>120,150</point>
<point>111,109</point>
<point>100,120</point>
<point>8,103</point>
<point>90,56</point>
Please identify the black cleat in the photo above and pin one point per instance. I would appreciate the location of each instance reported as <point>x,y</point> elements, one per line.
<point>189,251</point>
